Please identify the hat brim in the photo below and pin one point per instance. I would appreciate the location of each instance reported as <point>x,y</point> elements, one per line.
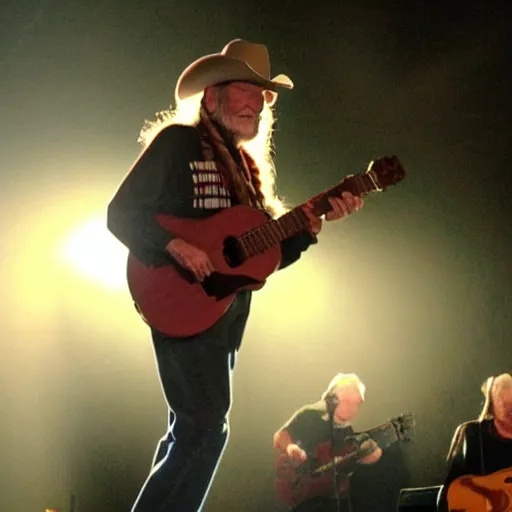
<point>216,69</point>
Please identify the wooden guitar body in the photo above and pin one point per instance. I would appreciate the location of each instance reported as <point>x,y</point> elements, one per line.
<point>296,483</point>
<point>172,301</point>
<point>486,493</point>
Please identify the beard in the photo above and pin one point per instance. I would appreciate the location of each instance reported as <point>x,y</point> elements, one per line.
<point>240,129</point>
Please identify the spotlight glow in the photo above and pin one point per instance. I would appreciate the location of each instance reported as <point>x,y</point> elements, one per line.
<point>96,254</point>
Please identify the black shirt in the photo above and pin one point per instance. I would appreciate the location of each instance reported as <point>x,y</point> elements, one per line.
<point>310,427</point>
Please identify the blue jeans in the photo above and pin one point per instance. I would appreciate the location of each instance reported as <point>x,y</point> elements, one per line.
<point>195,374</point>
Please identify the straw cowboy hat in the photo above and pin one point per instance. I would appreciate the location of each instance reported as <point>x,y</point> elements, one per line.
<point>238,61</point>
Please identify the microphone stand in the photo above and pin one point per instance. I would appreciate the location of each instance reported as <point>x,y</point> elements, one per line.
<point>331,401</point>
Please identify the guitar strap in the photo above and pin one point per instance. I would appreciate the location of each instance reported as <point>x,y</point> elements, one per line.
<point>331,400</point>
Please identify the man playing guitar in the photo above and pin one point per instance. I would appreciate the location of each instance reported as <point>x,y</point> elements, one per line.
<point>479,475</point>
<point>198,165</point>
<point>311,432</point>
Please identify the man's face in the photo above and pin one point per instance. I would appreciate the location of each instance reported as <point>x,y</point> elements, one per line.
<point>349,401</point>
<point>238,109</point>
<point>502,407</point>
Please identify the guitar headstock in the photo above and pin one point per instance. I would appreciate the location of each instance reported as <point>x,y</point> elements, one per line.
<point>386,171</point>
<point>404,424</point>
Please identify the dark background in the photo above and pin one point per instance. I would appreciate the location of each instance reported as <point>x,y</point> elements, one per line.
<point>412,293</point>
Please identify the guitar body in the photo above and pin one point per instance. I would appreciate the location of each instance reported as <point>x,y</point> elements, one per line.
<point>489,493</point>
<point>296,483</point>
<point>172,301</point>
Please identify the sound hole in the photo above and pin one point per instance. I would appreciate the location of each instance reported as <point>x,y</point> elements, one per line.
<point>232,252</point>
<point>508,480</point>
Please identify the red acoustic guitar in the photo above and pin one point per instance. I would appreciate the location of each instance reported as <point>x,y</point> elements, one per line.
<point>243,245</point>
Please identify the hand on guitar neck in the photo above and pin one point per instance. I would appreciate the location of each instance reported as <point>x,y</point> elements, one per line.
<point>371,452</point>
<point>340,207</point>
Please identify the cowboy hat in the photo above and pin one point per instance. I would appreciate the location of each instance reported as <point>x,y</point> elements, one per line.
<point>238,61</point>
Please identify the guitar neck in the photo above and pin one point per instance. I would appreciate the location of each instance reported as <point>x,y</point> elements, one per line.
<point>339,460</point>
<point>384,435</point>
<point>274,232</point>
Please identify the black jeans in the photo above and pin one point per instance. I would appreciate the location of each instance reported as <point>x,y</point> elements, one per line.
<point>195,374</point>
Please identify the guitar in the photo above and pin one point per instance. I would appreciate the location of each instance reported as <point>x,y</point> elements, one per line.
<point>297,482</point>
<point>243,245</point>
<point>487,493</point>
